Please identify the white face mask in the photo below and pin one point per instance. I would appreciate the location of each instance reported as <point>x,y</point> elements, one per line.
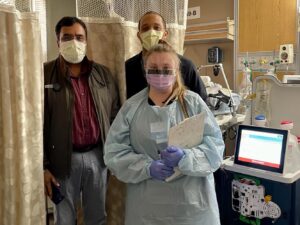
<point>72,51</point>
<point>151,38</point>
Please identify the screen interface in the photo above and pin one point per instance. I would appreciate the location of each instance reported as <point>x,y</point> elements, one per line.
<point>260,148</point>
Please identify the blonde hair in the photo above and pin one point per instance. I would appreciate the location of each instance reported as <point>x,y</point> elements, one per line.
<point>178,87</point>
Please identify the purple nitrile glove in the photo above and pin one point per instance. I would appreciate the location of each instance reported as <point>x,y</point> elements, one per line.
<point>172,155</point>
<point>159,171</point>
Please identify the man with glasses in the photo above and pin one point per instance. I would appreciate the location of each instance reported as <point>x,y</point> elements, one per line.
<point>152,30</point>
<point>81,100</point>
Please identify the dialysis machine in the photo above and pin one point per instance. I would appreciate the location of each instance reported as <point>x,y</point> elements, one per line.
<point>253,187</point>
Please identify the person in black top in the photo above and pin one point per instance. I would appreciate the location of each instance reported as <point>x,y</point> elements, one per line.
<point>152,30</point>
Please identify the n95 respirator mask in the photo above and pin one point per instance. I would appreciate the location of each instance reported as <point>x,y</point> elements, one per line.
<point>73,51</point>
<point>151,38</point>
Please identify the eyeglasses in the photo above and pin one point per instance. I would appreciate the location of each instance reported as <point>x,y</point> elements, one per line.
<point>69,37</point>
<point>161,72</point>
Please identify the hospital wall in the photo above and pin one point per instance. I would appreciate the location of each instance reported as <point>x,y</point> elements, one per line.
<point>260,28</point>
<point>211,12</point>
<point>264,25</point>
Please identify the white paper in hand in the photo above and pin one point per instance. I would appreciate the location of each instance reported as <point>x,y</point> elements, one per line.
<point>186,134</point>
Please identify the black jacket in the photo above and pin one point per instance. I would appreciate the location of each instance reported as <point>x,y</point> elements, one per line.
<point>58,110</point>
<point>136,80</point>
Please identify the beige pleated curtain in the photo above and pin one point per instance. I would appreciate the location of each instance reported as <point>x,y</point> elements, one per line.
<point>21,95</point>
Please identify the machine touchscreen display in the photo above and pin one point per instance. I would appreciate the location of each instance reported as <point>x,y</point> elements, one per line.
<point>261,147</point>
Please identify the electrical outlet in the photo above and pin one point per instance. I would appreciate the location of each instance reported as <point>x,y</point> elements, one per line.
<point>286,54</point>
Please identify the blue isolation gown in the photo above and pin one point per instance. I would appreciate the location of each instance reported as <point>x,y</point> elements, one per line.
<point>135,138</point>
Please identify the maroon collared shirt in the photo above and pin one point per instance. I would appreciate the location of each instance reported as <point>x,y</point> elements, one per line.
<point>86,130</point>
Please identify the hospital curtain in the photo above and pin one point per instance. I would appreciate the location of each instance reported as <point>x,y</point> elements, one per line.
<point>21,128</point>
<point>106,46</point>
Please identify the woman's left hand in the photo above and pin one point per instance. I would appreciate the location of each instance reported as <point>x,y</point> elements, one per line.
<point>172,155</point>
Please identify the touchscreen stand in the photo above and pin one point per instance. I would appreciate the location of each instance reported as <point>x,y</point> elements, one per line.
<point>261,147</point>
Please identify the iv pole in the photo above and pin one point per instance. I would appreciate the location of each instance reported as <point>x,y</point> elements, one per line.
<point>220,66</point>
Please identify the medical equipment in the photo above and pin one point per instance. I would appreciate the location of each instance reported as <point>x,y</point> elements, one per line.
<point>244,194</point>
<point>245,87</point>
<point>260,147</point>
<point>261,103</point>
<point>277,101</point>
<point>223,103</point>
<point>249,199</point>
<point>231,103</point>
<point>219,103</point>
<point>214,55</point>
<point>280,100</point>
<point>291,79</point>
<point>260,121</point>
<point>292,149</point>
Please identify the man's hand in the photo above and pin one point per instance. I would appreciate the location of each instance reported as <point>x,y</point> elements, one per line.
<point>48,179</point>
